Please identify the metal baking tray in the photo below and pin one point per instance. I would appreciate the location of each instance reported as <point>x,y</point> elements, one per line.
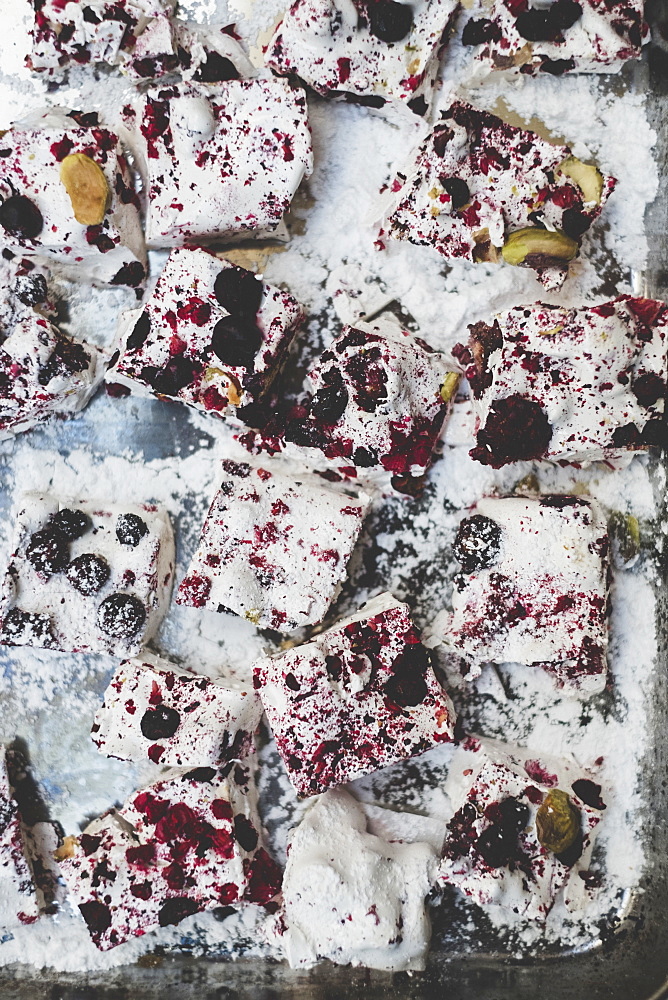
<point>630,962</point>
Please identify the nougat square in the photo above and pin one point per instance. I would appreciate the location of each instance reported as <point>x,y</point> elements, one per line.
<point>356,698</point>
<point>274,548</point>
<point>86,576</point>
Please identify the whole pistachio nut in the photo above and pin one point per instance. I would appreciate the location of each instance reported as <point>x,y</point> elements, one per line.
<point>536,247</point>
<point>87,187</point>
<point>558,822</point>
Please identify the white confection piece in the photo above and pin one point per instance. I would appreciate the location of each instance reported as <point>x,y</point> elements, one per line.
<point>356,295</point>
<point>19,902</point>
<point>203,53</point>
<point>114,608</point>
<point>538,592</point>
<point>350,896</point>
<point>409,828</point>
<point>180,347</point>
<point>598,40</point>
<point>598,374</point>
<point>111,253</point>
<point>74,32</point>
<point>273,548</point>
<point>155,710</point>
<point>491,773</point>
<point>234,183</point>
<point>331,46</point>
<point>43,373</point>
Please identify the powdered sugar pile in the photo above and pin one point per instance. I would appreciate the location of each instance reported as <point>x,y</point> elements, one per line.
<point>136,450</point>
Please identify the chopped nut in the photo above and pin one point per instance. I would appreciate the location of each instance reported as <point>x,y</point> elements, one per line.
<point>449,387</point>
<point>67,849</point>
<point>87,187</point>
<point>558,822</point>
<point>625,533</point>
<point>587,177</point>
<point>536,247</point>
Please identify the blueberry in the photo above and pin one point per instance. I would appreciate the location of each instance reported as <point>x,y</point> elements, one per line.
<point>236,341</point>
<point>48,552</point>
<point>70,523</point>
<point>19,216</point>
<point>245,833</point>
<point>159,723</point>
<point>130,529</point>
<point>564,14</point>
<point>477,543</point>
<point>574,223</point>
<point>458,191</point>
<point>238,291</point>
<point>140,333</point>
<point>177,909</point>
<point>514,814</point>
<point>478,32</point>
<point>365,458</point>
<point>495,846</point>
<point>390,21</point>
<point>88,573</point>
<point>121,615</point>
<point>535,25</point>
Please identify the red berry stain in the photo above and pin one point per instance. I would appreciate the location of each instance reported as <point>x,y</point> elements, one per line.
<point>195,590</point>
<point>535,770</point>
<point>196,311</point>
<point>62,148</point>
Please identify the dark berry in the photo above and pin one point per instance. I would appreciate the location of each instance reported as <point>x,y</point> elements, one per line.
<point>48,552</point>
<point>365,458</point>
<point>216,69</point>
<point>589,792</point>
<point>130,529</point>
<point>177,909</point>
<point>564,14</point>
<point>70,523</point>
<point>514,815</point>
<point>535,25</point>
<point>88,573</point>
<point>407,686</point>
<point>654,434</point>
<point>236,341</point>
<point>418,106</point>
<point>557,67</point>
<point>458,191</point>
<point>31,289</point>
<point>19,216</point>
<point>97,916</point>
<point>516,429</point>
<point>477,543</point>
<point>22,626</point>
<point>478,32</point>
<point>140,332</point>
<point>496,847</point>
<point>390,21</point>
<point>331,399</point>
<point>574,223</point>
<point>121,615</point>
<point>245,833</point>
<point>176,374</point>
<point>160,723</point>
<point>238,291</point>
<point>648,388</point>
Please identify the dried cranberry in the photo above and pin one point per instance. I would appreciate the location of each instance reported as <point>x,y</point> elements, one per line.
<point>216,69</point>
<point>238,291</point>
<point>70,523</point>
<point>331,399</point>
<point>245,833</point>
<point>458,191</point>
<point>88,573</point>
<point>478,32</point>
<point>236,341</point>
<point>48,552</point>
<point>97,916</point>
<point>648,388</point>
<point>19,216</point>
<point>121,615</point>
<point>130,529</point>
<point>477,543</point>
<point>140,332</point>
<point>389,21</point>
<point>177,909</point>
<point>574,223</point>
<point>516,429</point>
<point>160,723</point>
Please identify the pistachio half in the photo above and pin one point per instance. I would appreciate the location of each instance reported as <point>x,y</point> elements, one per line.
<point>558,822</point>
<point>449,387</point>
<point>87,187</point>
<point>536,247</point>
<point>587,177</point>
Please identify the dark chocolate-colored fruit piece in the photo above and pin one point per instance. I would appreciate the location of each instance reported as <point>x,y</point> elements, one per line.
<point>159,723</point>
<point>88,573</point>
<point>48,552</point>
<point>477,543</point>
<point>516,429</point>
<point>389,21</point>
<point>130,529</point>
<point>140,332</point>
<point>19,216</point>
<point>216,69</point>
<point>70,523</point>
<point>238,291</point>
<point>121,616</point>
<point>458,191</point>
<point>331,399</point>
<point>236,341</point>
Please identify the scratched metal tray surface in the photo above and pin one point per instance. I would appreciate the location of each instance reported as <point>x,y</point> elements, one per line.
<point>631,963</point>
